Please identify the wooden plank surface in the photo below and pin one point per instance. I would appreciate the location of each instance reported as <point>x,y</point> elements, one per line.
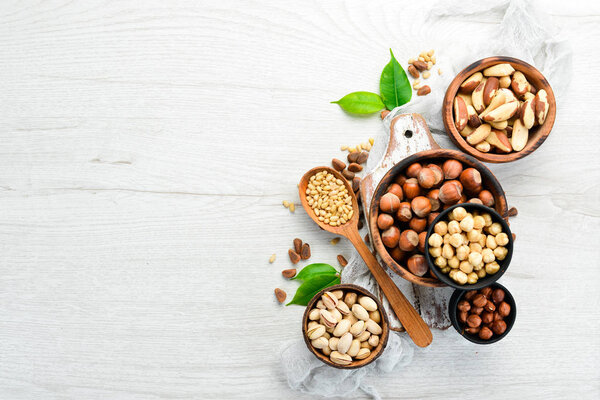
<point>146,149</point>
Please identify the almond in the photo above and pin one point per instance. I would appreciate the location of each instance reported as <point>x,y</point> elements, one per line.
<point>499,141</point>
<point>420,65</point>
<point>342,260</point>
<point>471,83</point>
<point>503,112</point>
<point>477,97</point>
<point>461,116</point>
<point>499,70</point>
<point>413,71</point>
<point>423,91</point>
<point>519,83</point>
<point>491,85</point>
<point>541,106</point>
<point>338,165</point>
<point>504,82</point>
<point>519,137</point>
<point>474,120</point>
<point>479,134</point>
<point>527,114</point>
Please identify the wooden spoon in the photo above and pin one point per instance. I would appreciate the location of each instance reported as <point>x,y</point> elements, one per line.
<point>408,316</point>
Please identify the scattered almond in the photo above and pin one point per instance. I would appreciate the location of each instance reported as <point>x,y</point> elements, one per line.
<point>338,165</point>
<point>425,90</point>
<point>342,260</point>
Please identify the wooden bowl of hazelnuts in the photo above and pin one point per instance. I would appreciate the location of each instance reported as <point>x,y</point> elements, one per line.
<point>413,193</point>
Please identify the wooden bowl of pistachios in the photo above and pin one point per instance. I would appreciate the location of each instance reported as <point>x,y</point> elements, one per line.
<point>345,326</point>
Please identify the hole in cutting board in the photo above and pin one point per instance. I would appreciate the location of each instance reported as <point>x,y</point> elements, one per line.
<point>408,133</point>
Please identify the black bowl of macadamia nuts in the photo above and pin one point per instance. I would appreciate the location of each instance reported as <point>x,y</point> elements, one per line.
<point>468,246</point>
<point>345,326</point>
<point>483,316</point>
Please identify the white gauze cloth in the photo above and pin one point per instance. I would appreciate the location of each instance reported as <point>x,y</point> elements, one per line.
<point>523,32</point>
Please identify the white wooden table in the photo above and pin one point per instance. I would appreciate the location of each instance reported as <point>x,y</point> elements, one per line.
<point>145,151</point>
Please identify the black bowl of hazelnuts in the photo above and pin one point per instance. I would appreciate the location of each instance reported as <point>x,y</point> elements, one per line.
<point>483,316</point>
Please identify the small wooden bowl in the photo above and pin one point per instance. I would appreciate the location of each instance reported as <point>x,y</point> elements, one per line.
<point>489,182</point>
<point>460,328</point>
<point>537,134</point>
<point>488,279</point>
<point>383,338</point>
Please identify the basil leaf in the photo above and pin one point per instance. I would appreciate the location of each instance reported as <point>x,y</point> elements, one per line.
<point>394,85</point>
<point>361,102</point>
<point>312,270</point>
<point>312,286</point>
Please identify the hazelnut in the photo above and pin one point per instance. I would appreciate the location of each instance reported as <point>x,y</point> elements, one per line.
<point>497,295</point>
<point>422,238</point>
<point>497,316</point>
<point>409,240</point>
<point>396,189</point>
<point>431,217</point>
<point>476,310</point>
<point>397,254</point>
<point>452,169</point>
<point>463,305</point>
<point>413,170</point>
<point>462,316</point>
<point>421,206</point>
<point>504,309</point>
<point>400,179</point>
<point>390,237</point>
<point>471,180</point>
<point>457,183</point>
<point>475,201</point>
<point>489,306</point>
<point>418,224</point>
<point>411,188</point>
<point>487,317</point>
<point>486,198</point>
<point>417,265</point>
<point>433,196</point>
<point>435,240</point>
<point>487,292</point>
<point>384,221</point>
<point>472,331</point>
<point>449,193</point>
<point>473,321</point>
<point>389,203</point>
<point>437,172</point>
<point>426,178</point>
<point>441,228</point>
<point>479,300</point>
<point>485,333</point>
<point>470,294</point>
<point>499,327</point>
<point>404,214</point>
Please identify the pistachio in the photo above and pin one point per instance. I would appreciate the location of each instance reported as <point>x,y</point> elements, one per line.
<point>358,328</point>
<point>320,343</point>
<point>336,314</point>
<point>329,300</point>
<point>364,336</point>
<point>339,358</point>
<point>338,293</point>
<point>374,340</point>
<point>342,327</point>
<point>313,323</point>
<point>360,312</point>
<point>375,316</point>
<point>320,305</point>
<point>350,299</point>
<point>326,335</point>
<point>344,343</point>
<point>368,303</point>
<point>373,327</point>
<point>363,353</point>
<point>328,319</point>
<point>351,318</point>
<point>316,332</point>
<point>354,348</point>
<point>343,308</point>
<point>314,314</point>
<point>326,351</point>
<point>333,342</point>
<point>365,345</point>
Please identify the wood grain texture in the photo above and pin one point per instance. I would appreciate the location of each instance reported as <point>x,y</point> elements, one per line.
<point>146,149</point>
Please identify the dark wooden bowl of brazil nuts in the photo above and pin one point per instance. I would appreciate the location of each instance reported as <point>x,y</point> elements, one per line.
<point>489,182</point>
<point>537,134</point>
<point>384,324</point>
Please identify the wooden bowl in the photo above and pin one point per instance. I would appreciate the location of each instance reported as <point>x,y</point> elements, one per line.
<point>383,338</point>
<point>537,134</point>
<point>489,182</point>
<point>488,279</point>
<point>460,328</point>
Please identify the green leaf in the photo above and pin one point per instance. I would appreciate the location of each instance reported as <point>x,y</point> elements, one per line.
<point>394,85</point>
<point>312,270</point>
<point>312,286</point>
<point>361,102</point>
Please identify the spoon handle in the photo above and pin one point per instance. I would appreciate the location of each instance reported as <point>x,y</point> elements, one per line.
<point>409,317</point>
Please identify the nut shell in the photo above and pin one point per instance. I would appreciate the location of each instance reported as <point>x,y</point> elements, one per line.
<point>389,203</point>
